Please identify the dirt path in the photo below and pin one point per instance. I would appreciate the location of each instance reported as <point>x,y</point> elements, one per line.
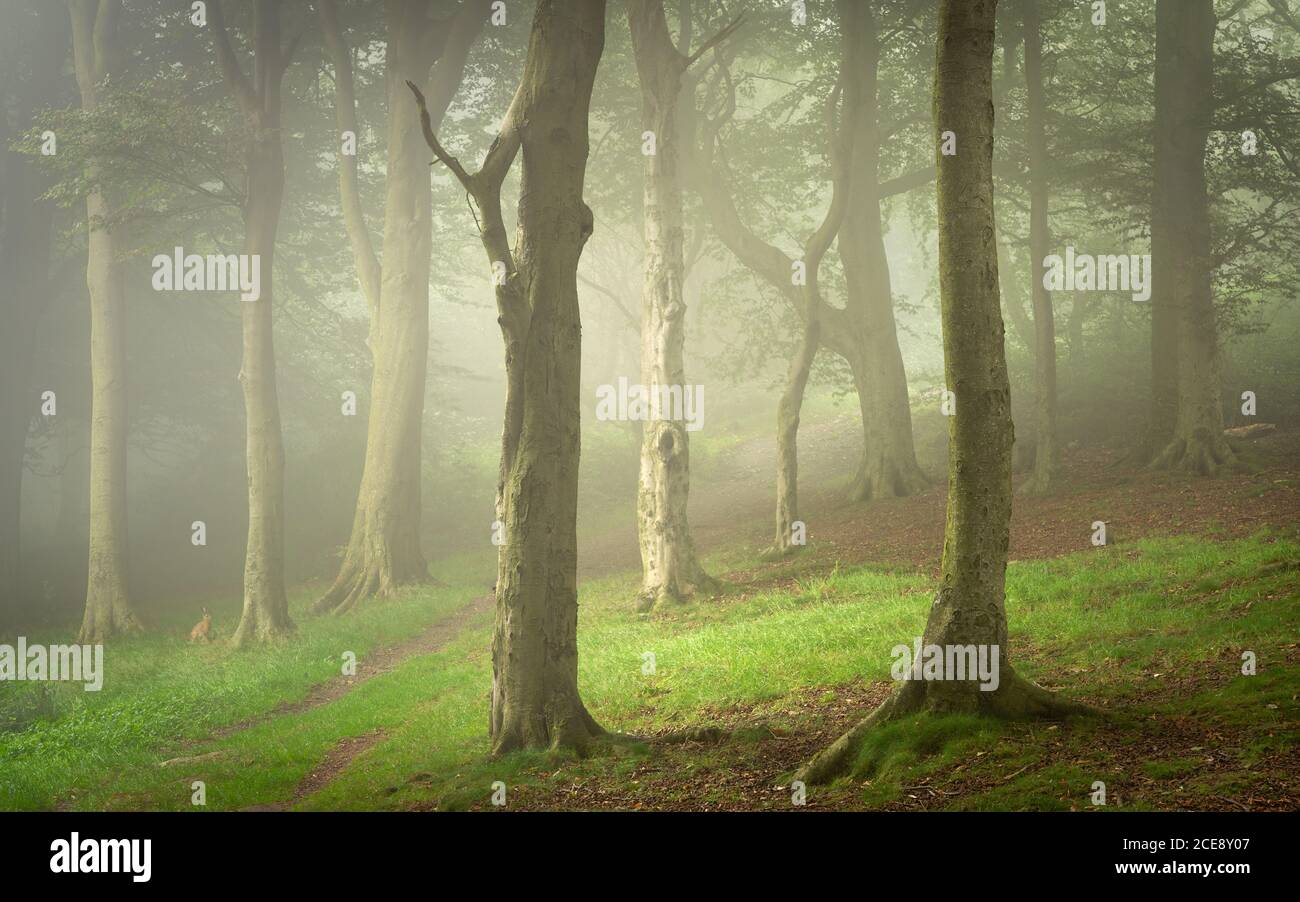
<point>375,663</point>
<point>734,508</point>
<point>383,661</point>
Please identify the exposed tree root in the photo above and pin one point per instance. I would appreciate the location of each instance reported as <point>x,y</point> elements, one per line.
<point>574,730</point>
<point>667,596</point>
<point>887,478</point>
<point>1015,699</point>
<point>259,626</point>
<point>361,579</point>
<point>1203,453</point>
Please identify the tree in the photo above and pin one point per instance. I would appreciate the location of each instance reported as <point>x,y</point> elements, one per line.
<point>1186,417</point>
<point>535,700</point>
<point>670,567</point>
<point>779,270</point>
<point>266,607</point>
<point>384,549</point>
<point>97,56</point>
<point>969,607</point>
<point>1047,451</point>
<point>39,42</point>
<point>867,334</point>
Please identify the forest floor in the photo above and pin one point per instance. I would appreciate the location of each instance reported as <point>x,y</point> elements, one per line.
<point>1151,628</point>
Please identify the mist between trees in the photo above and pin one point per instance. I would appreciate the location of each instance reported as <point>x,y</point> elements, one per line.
<point>311,298</point>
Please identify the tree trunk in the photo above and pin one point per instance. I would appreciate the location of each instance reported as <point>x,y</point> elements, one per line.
<point>1182,293</point>
<point>968,609</point>
<point>1047,451</point>
<point>108,606</point>
<point>383,551</point>
<point>266,608</point>
<point>888,468</point>
<point>787,438</point>
<point>25,239</point>
<point>535,699</point>
<point>670,568</point>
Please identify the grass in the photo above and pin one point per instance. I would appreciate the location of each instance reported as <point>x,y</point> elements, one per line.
<point>1154,630</point>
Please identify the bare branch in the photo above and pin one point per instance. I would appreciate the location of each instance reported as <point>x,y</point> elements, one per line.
<point>716,40</point>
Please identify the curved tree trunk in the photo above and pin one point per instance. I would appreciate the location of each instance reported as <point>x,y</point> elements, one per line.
<point>1047,450</point>
<point>670,568</point>
<point>969,607</point>
<point>383,551</point>
<point>1180,243</point>
<point>787,438</point>
<point>108,605</point>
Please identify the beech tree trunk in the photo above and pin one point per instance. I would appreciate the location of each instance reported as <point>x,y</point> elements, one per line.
<point>888,468</point>
<point>670,569</point>
<point>535,699</point>
<point>265,615</point>
<point>787,439</point>
<point>1182,294</point>
<point>1047,451</point>
<point>969,607</point>
<point>25,236</point>
<point>821,323</point>
<point>109,611</point>
<point>383,551</point>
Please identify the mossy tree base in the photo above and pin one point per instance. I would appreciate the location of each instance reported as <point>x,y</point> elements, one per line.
<point>1015,699</point>
<point>1203,452</point>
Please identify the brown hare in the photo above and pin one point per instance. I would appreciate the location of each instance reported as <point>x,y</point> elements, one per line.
<point>202,631</point>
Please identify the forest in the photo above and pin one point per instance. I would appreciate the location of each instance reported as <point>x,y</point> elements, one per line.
<point>879,406</point>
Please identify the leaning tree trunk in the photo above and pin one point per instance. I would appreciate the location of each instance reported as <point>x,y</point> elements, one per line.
<point>1181,226</point>
<point>969,607</point>
<point>383,551</point>
<point>266,608</point>
<point>1047,451</point>
<point>108,606</point>
<point>787,439</point>
<point>671,571</point>
<point>888,468</point>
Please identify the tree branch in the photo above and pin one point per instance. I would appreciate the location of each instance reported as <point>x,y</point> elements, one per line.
<point>234,75</point>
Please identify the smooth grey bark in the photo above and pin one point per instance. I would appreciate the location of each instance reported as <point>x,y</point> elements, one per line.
<point>109,612</point>
<point>383,551</point>
<point>265,615</point>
